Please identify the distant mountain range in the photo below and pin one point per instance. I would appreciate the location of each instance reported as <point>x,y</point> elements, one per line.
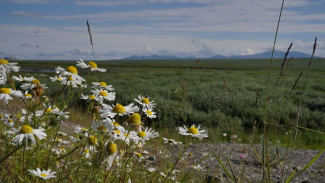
<point>266,54</point>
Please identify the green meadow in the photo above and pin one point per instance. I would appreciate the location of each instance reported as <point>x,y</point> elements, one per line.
<point>224,96</point>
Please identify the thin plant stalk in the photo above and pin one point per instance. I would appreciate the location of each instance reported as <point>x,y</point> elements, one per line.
<point>299,106</point>
<point>265,147</point>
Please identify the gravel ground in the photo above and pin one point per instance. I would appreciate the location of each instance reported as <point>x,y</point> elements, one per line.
<point>243,161</point>
<point>245,164</point>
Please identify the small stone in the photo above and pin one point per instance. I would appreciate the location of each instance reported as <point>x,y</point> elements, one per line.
<point>305,181</point>
<point>212,178</point>
<point>152,158</point>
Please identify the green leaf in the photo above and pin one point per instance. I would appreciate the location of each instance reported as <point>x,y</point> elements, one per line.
<point>308,165</point>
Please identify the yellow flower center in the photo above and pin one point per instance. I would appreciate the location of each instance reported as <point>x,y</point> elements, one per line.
<point>102,129</point>
<point>149,112</point>
<point>115,123</point>
<point>190,154</point>
<point>62,149</point>
<point>111,148</point>
<point>84,129</point>
<point>5,90</point>
<point>92,97</point>
<point>1,116</point>
<point>10,121</point>
<point>119,109</point>
<point>72,70</point>
<point>48,110</point>
<point>145,100</point>
<point>86,151</point>
<point>103,84</point>
<point>138,155</point>
<point>70,78</point>
<point>142,134</point>
<point>192,130</point>
<point>43,175</point>
<point>135,119</point>
<point>92,140</point>
<point>28,95</point>
<point>26,129</point>
<point>3,62</point>
<point>59,79</point>
<point>92,64</point>
<point>117,131</point>
<point>36,82</point>
<point>103,93</point>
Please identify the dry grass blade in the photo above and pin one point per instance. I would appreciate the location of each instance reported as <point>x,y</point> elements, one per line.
<point>197,61</point>
<point>91,39</point>
<point>299,106</point>
<point>296,82</point>
<point>256,99</point>
<point>292,176</point>
<point>285,60</point>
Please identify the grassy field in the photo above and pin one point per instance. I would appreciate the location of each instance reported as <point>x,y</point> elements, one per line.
<point>226,96</point>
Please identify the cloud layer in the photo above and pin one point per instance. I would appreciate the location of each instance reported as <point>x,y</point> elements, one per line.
<point>165,27</point>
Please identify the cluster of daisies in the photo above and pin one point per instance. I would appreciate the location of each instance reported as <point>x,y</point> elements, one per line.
<point>117,130</point>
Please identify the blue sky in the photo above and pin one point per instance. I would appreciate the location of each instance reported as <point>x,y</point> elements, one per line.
<point>56,29</point>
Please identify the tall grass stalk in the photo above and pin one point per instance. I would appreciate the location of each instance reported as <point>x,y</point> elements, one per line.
<point>265,146</point>
<point>299,106</point>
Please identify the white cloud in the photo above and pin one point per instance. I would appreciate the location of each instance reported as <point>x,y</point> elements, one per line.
<point>178,31</point>
<point>28,1</point>
<point>60,44</point>
<point>25,14</point>
<point>30,45</point>
<point>232,15</point>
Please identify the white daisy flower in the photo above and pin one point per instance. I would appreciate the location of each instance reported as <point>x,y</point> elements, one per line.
<point>145,101</point>
<point>60,141</point>
<point>111,111</point>
<point>92,65</point>
<point>51,109</point>
<point>148,111</point>
<point>80,130</point>
<point>3,79</point>
<point>58,150</point>
<point>197,167</point>
<point>102,85</point>
<point>69,71</point>
<point>44,174</point>
<point>142,136</point>
<point>86,153</point>
<point>119,133</point>
<point>32,84</point>
<point>61,133</point>
<point>9,121</point>
<point>6,67</point>
<point>171,141</point>
<point>27,96</point>
<point>88,97</point>
<point>23,79</point>
<point>151,170</point>
<point>72,81</point>
<point>26,132</point>
<point>58,78</point>
<point>5,94</point>
<point>139,156</point>
<point>103,94</point>
<point>193,131</point>
<point>102,126</point>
